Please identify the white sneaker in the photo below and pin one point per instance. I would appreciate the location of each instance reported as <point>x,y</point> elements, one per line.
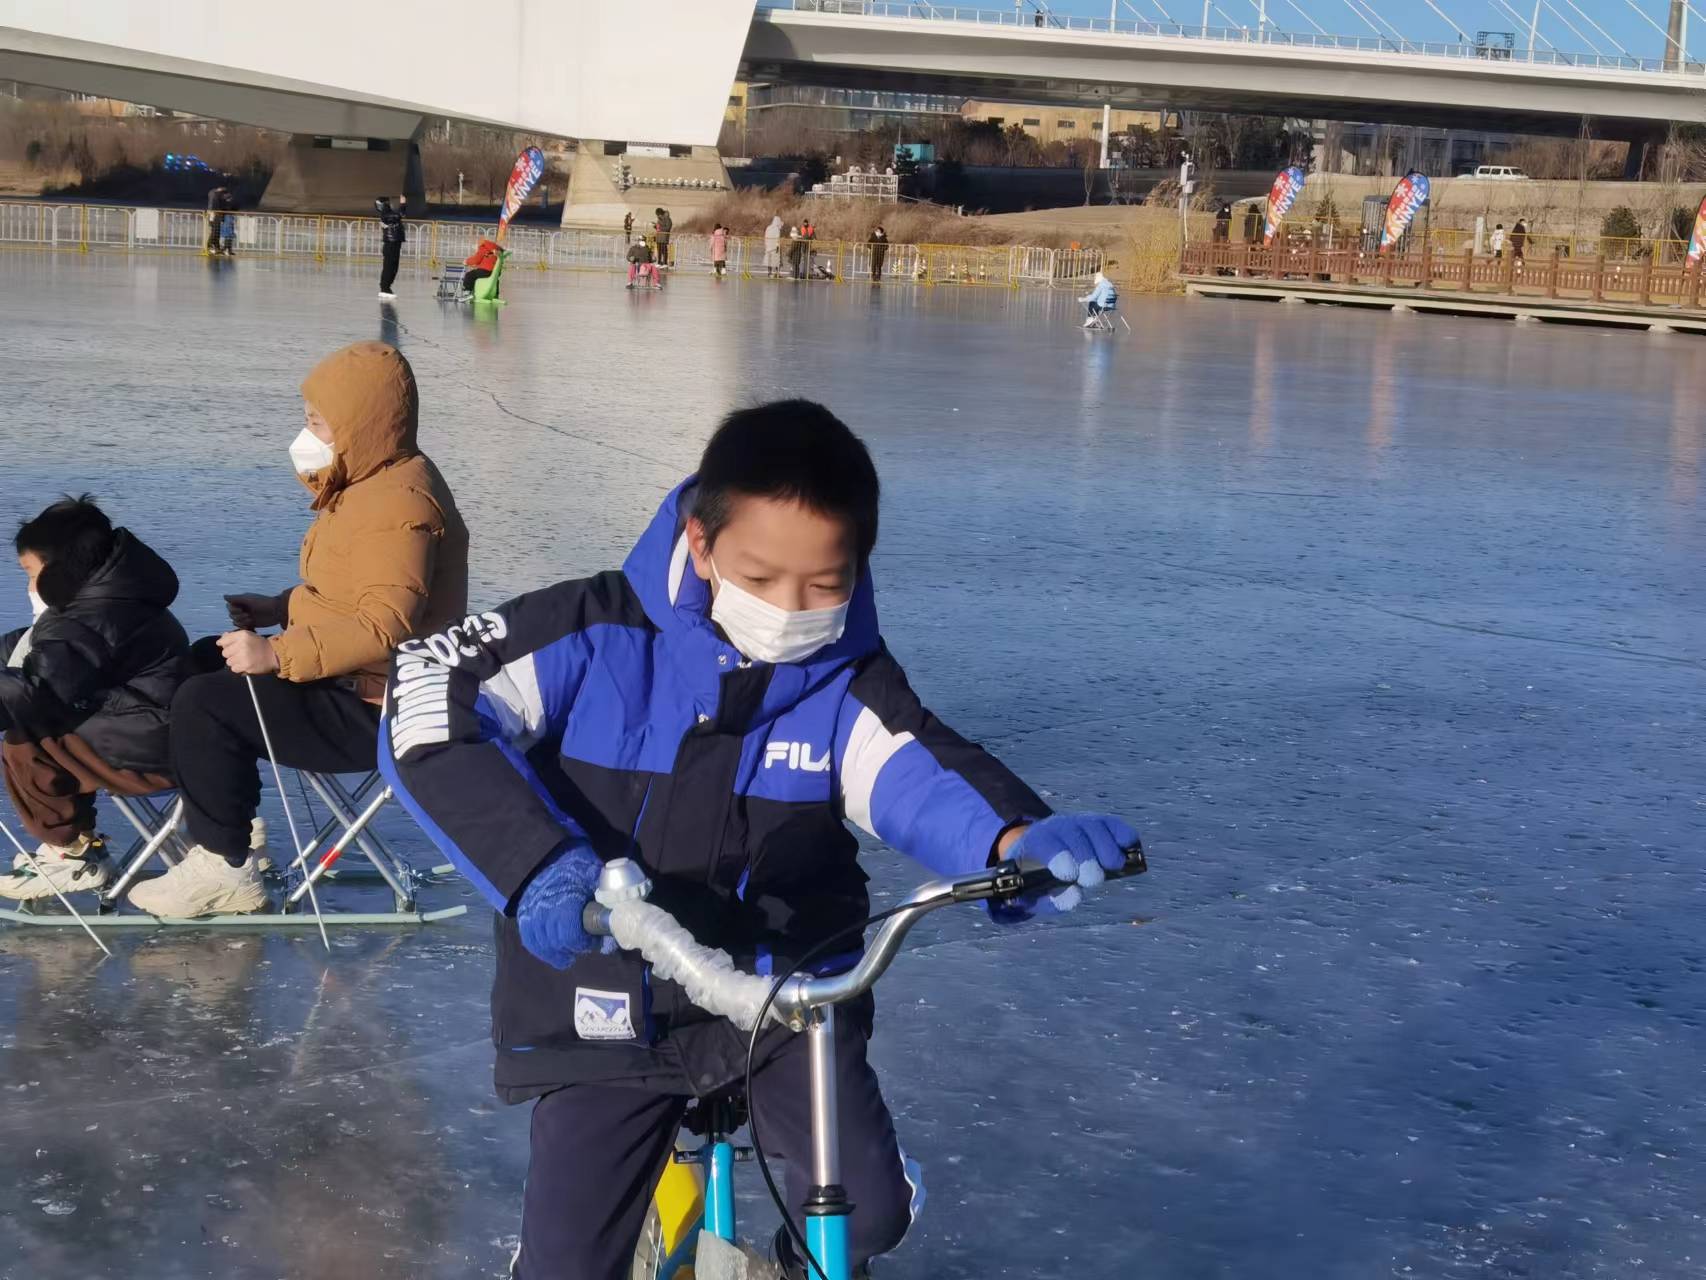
<point>69,868</point>
<point>386,296</point>
<point>1089,322</point>
<point>203,884</point>
<point>258,845</point>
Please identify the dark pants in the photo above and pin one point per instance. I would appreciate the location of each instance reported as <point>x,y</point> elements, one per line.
<point>392,252</point>
<point>471,275</point>
<point>217,745</point>
<point>213,221</point>
<point>879,253</point>
<point>598,1152</point>
<point>53,784</point>
<point>663,249</point>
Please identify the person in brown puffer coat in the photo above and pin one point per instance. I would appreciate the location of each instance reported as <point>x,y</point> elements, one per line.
<point>385,559</point>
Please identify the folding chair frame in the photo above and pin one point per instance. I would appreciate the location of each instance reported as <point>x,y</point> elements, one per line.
<point>159,833</point>
<point>450,283</point>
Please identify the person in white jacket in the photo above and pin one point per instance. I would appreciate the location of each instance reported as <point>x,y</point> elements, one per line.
<point>773,245</point>
<point>1102,297</point>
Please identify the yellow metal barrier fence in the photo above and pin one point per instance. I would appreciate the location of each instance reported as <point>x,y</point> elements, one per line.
<point>429,245</point>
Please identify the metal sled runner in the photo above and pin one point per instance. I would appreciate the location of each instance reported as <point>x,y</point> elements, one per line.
<point>158,821</point>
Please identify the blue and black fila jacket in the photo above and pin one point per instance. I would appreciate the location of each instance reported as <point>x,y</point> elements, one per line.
<point>612,709</point>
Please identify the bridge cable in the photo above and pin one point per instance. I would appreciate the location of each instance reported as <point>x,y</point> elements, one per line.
<point>1305,14</point>
<point>1532,28</point>
<point>1390,26</point>
<point>1140,15</point>
<point>1602,31</point>
<point>1365,22</point>
<point>1655,26</point>
<point>1359,5</point>
<point>1232,22</point>
<point>1158,6</point>
<point>1597,51</point>
<point>1453,23</point>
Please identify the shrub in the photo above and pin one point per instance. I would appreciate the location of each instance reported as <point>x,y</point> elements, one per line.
<point>1621,224</point>
<point>1681,224</point>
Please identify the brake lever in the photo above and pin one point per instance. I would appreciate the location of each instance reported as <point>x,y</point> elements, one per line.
<point>1016,877</point>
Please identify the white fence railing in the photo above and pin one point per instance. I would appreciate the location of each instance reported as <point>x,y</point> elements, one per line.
<point>1269,33</point>
<point>107,229</point>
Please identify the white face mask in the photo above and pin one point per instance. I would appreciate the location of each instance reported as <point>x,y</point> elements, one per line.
<point>766,632</point>
<point>38,606</point>
<point>309,453</point>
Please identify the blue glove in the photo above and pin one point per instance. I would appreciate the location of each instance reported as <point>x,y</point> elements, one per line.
<point>549,913</point>
<point>1077,848</point>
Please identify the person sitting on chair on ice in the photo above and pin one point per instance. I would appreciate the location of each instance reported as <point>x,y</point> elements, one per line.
<point>1102,297</point>
<point>386,558</point>
<point>480,264</point>
<point>85,688</point>
<point>715,710</point>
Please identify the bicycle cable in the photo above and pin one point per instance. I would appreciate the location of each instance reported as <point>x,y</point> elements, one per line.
<point>795,1235</point>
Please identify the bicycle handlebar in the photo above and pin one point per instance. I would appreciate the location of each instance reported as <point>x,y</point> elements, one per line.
<point>714,984</point>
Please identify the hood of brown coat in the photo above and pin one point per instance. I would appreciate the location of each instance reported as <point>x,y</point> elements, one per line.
<point>366,393</point>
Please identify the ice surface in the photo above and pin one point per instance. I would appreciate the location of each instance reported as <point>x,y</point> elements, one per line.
<point>1386,631</point>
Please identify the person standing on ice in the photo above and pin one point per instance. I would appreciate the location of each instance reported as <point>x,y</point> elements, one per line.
<point>392,234</point>
<point>773,245</point>
<point>385,559</point>
<point>717,710</point>
<point>719,249</point>
<point>85,688</point>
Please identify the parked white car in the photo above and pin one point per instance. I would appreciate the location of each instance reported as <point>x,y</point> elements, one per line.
<point>1498,173</point>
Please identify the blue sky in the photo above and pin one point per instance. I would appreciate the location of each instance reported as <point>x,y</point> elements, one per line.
<point>1414,19</point>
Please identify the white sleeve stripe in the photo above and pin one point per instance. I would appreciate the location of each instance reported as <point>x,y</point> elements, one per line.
<point>869,748</point>
<point>513,694</point>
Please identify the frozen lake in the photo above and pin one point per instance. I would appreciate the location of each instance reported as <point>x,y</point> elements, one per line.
<point>1386,631</point>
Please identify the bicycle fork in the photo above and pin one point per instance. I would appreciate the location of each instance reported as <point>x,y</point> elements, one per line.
<point>826,1207</point>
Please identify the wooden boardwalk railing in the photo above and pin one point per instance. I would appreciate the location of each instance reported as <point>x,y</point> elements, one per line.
<point>1640,282</point>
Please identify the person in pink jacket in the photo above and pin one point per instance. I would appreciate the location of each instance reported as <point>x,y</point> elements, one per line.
<point>719,249</point>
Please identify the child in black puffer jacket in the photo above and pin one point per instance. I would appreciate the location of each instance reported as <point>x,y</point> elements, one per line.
<point>85,689</point>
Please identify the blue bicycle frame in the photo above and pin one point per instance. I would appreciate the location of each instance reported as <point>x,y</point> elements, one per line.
<point>827,1210</point>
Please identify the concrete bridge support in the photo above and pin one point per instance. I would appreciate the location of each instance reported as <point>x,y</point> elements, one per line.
<point>344,175</point>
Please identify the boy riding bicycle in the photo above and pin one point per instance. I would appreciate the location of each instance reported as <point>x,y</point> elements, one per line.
<point>714,710</point>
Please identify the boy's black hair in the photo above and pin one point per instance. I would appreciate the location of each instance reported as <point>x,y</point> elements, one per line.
<point>793,450</point>
<point>73,537</point>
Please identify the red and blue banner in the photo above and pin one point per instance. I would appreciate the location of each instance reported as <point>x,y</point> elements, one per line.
<point>1697,241</point>
<point>1407,199</point>
<point>1287,187</point>
<point>529,168</point>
